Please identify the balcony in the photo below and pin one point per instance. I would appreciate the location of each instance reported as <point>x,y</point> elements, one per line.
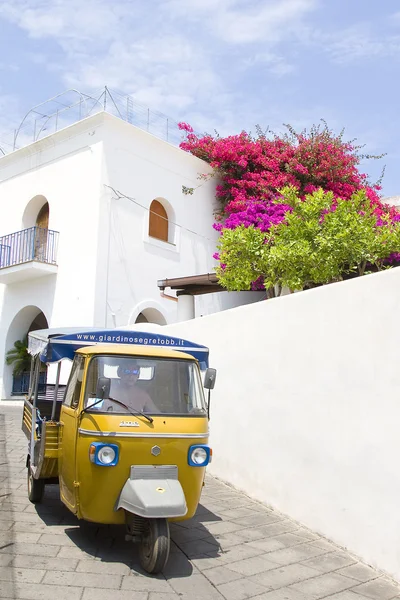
<point>28,254</point>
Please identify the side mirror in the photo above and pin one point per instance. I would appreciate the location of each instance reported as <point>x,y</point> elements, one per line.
<point>103,387</point>
<point>209,379</point>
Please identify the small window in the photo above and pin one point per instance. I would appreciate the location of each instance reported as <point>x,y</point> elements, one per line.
<point>74,386</point>
<point>158,221</point>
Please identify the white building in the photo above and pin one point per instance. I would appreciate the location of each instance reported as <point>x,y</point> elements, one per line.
<point>78,243</point>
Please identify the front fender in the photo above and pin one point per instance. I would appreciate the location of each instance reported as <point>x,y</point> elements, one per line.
<point>153,498</point>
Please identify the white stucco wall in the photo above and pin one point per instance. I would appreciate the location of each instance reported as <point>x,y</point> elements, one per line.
<point>63,169</point>
<point>108,266</point>
<point>305,413</point>
<point>145,168</point>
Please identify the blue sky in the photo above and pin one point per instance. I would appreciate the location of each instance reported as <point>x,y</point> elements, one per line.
<point>217,64</point>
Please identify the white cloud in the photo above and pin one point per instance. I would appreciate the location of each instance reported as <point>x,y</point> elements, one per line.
<point>244,21</point>
<point>357,43</point>
<point>271,22</point>
<point>65,20</point>
<point>9,115</point>
<point>213,63</point>
<point>173,55</point>
<point>275,63</point>
<point>9,67</point>
<point>167,74</point>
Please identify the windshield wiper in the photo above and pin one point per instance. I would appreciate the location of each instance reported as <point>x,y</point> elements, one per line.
<point>133,412</point>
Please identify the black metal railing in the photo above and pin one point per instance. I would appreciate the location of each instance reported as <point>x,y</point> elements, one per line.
<point>21,383</point>
<point>33,244</point>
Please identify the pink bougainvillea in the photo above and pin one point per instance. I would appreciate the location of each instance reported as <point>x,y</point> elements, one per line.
<point>251,170</point>
<point>185,127</point>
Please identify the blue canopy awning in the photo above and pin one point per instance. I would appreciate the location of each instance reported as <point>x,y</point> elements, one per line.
<point>52,345</point>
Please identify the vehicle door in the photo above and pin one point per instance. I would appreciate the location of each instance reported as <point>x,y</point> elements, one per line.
<point>68,435</point>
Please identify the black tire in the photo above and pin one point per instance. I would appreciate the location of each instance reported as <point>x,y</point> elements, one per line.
<point>154,546</point>
<point>35,487</point>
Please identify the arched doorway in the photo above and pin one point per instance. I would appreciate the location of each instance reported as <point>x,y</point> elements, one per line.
<point>141,318</point>
<point>39,322</point>
<point>41,233</point>
<point>42,219</point>
<point>36,213</point>
<point>16,373</point>
<point>151,315</point>
<point>35,222</point>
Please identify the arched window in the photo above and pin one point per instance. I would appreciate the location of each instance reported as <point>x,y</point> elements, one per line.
<point>158,221</point>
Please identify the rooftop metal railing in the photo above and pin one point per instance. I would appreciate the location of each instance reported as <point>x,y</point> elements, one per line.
<point>72,106</point>
<point>32,244</point>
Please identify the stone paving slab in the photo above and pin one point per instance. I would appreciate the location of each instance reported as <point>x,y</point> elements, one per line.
<point>233,549</point>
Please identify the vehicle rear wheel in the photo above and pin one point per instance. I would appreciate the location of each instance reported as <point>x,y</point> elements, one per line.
<point>35,487</point>
<point>154,546</point>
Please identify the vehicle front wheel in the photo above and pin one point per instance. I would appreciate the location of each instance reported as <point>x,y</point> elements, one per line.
<point>154,546</point>
<point>35,487</point>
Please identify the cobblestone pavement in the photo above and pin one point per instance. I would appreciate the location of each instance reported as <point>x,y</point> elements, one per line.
<point>234,548</point>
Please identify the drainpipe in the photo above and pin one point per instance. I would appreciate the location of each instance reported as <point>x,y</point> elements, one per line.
<point>185,306</point>
<point>168,297</point>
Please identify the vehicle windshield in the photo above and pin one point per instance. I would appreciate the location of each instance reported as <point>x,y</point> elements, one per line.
<point>152,386</point>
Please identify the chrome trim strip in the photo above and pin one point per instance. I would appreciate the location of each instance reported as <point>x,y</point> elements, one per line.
<point>94,433</point>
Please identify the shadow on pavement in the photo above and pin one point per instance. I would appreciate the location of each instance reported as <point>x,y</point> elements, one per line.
<point>7,539</point>
<point>189,539</point>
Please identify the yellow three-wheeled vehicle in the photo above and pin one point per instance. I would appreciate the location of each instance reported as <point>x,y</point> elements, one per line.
<point>128,439</point>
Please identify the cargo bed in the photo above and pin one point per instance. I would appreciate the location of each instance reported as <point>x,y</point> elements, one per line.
<point>43,444</point>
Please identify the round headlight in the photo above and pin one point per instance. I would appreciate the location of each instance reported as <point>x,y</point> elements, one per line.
<point>106,455</point>
<point>199,456</point>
